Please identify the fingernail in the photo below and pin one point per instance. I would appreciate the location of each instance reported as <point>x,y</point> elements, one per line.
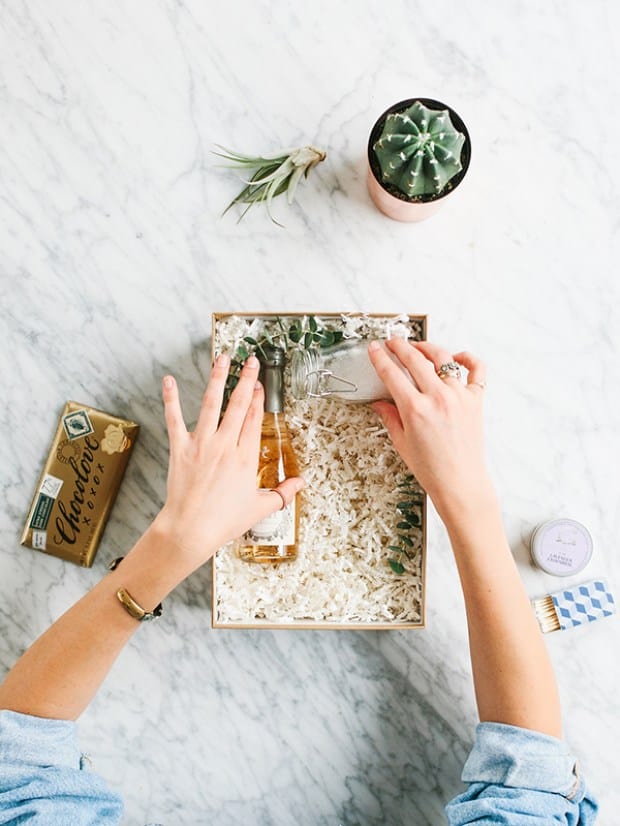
<point>168,382</point>
<point>252,362</point>
<point>222,360</point>
<point>373,346</point>
<point>301,483</point>
<point>257,386</point>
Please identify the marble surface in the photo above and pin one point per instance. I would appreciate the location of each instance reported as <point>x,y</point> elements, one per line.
<point>112,258</point>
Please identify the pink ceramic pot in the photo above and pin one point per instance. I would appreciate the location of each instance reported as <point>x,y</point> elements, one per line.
<point>398,208</point>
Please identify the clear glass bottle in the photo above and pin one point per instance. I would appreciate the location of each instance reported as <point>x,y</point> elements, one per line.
<point>274,539</point>
<point>343,371</point>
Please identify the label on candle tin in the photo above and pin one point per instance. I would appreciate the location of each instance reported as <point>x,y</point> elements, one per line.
<point>276,529</point>
<point>561,547</point>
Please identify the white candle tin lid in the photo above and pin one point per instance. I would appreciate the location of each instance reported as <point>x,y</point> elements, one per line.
<point>561,547</point>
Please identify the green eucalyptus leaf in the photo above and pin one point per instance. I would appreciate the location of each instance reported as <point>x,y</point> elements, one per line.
<point>397,567</point>
<point>312,324</point>
<point>410,518</point>
<point>307,340</point>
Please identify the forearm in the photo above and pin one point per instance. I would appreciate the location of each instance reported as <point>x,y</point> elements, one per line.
<point>60,673</point>
<point>513,675</point>
<point>212,497</point>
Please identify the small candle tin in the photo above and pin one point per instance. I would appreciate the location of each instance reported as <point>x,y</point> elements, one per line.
<point>561,547</point>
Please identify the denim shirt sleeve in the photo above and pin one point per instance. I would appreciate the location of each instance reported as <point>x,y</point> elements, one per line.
<point>519,777</point>
<point>42,776</point>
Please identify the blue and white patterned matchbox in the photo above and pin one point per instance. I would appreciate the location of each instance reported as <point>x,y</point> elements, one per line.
<point>575,606</point>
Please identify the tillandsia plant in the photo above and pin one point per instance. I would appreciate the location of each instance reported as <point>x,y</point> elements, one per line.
<point>419,151</point>
<point>303,333</point>
<point>272,174</point>
<point>410,519</point>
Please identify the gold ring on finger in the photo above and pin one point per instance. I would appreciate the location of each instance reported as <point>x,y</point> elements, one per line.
<point>450,370</point>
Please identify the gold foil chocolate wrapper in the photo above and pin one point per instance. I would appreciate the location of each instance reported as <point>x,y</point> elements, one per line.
<point>79,483</point>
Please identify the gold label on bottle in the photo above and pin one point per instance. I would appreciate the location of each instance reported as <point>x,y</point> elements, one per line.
<point>276,529</point>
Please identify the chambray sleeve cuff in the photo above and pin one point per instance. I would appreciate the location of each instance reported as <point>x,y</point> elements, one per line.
<point>35,741</point>
<point>43,778</point>
<point>523,759</point>
<point>519,777</point>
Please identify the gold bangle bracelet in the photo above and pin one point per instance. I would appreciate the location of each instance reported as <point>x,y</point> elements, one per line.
<point>128,602</point>
<point>134,610</point>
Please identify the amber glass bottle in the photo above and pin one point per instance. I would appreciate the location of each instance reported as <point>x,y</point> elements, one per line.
<point>274,539</point>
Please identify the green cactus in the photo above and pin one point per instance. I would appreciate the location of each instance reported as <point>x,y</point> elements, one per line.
<point>419,151</point>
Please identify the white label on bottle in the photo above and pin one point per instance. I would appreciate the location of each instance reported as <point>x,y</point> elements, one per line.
<point>276,529</point>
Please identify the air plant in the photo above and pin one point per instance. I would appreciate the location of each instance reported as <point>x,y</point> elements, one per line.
<point>273,174</point>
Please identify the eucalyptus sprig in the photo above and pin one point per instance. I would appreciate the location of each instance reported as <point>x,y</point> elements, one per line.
<point>312,335</point>
<point>298,335</point>
<point>409,521</point>
<point>273,174</point>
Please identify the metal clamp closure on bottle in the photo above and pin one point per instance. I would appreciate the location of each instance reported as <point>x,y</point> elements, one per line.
<point>323,374</point>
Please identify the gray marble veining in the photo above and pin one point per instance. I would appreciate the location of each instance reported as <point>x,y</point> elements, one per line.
<point>113,255</point>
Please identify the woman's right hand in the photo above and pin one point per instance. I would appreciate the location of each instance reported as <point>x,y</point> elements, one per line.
<point>436,424</point>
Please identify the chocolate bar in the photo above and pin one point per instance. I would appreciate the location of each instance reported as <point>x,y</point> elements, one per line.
<point>79,483</point>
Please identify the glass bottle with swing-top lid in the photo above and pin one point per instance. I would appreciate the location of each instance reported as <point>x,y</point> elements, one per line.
<point>342,371</point>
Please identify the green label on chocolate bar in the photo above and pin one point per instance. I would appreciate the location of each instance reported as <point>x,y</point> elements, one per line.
<point>77,424</point>
<point>42,511</point>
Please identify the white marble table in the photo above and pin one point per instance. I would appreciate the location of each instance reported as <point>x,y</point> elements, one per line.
<point>112,258</point>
